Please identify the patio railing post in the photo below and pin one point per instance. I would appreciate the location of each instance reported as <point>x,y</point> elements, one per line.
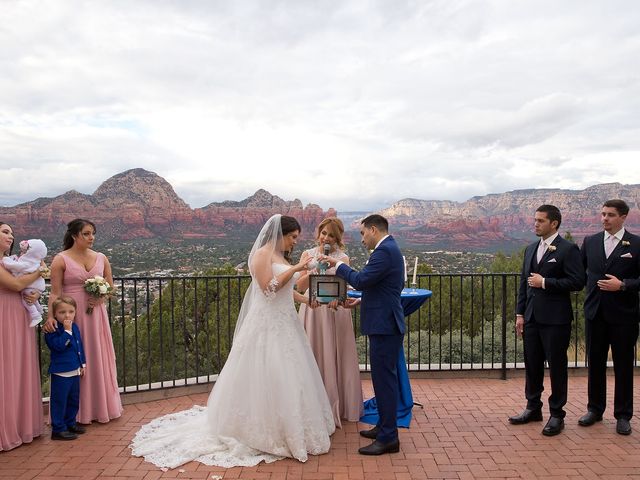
<point>504,326</point>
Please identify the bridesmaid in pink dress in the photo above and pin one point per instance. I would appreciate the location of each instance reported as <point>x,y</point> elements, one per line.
<point>99,395</point>
<point>330,332</point>
<point>21,418</point>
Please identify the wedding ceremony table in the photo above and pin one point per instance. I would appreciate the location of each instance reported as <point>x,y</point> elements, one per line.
<point>412,299</point>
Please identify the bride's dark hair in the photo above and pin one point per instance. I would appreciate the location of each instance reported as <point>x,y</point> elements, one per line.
<point>288,225</point>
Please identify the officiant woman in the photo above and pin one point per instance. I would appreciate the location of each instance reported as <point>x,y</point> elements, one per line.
<point>331,334</point>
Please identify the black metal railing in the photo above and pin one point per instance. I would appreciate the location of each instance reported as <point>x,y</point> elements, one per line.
<point>172,331</point>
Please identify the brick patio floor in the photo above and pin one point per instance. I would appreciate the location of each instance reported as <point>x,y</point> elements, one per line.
<point>461,433</point>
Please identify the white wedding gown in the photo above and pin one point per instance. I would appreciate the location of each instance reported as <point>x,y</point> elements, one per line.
<point>269,401</point>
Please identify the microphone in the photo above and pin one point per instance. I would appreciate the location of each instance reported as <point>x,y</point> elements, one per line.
<point>324,265</point>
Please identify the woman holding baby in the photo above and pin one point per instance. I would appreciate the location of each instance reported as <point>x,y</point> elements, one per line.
<point>21,418</point>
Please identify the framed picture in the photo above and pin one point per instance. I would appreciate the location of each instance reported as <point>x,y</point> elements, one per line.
<point>326,288</point>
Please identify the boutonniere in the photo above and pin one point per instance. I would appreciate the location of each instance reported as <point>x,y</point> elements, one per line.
<point>625,243</point>
<point>551,248</point>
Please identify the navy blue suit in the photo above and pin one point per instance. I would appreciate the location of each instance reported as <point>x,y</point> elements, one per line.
<point>547,316</point>
<point>382,319</point>
<point>67,354</point>
<point>611,319</point>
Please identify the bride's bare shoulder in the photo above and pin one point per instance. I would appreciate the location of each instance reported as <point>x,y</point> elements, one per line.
<point>263,256</point>
<point>263,253</point>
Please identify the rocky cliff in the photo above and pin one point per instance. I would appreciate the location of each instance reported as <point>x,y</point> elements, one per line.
<point>141,204</point>
<point>488,221</point>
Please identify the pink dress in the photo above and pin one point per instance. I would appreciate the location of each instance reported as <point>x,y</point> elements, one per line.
<point>99,395</point>
<point>333,343</point>
<point>21,418</point>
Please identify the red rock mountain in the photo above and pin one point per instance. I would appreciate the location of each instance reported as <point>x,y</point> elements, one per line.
<point>490,221</point>
<point>141,204</point>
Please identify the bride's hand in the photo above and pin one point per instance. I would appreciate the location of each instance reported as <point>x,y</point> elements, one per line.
<point>305,259</point>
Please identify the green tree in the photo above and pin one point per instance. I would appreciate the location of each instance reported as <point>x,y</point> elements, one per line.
<point>507,263</point>
<point>177,327</point>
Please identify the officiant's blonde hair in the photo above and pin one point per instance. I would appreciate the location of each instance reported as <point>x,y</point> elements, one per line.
<point>336,227</point>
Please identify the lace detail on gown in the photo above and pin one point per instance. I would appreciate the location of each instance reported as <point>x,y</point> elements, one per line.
<point>269,401</point>
<point>272,287</point>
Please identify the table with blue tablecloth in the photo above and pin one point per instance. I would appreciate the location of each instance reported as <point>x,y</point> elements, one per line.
<point>412,299</point>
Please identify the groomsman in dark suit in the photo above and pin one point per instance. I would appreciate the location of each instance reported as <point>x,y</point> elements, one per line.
<point>551,270</point>
<point>612,312</point>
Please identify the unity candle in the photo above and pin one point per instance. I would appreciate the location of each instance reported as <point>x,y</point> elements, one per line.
<point>415,271</point>
<point>404,260</point>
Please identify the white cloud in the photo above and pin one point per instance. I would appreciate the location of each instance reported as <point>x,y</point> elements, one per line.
<point>348,104</point>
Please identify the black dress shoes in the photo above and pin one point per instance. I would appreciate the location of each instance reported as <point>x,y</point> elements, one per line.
<point>372,433</point>
<point>623,427</point>
<point>526,417</point>
<point>553,427</point>
<point>78,429</point>
<point>379,448</point>
<point>63,435</point>
<point>589,419</point>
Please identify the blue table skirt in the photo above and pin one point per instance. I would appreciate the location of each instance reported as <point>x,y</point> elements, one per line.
<point>412,300</point>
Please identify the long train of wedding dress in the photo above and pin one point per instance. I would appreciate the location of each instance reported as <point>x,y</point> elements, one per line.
<point>269,401</point>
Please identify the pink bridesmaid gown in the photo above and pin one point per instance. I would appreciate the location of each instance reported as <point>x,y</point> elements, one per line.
<point>333,343</point>
<point>99,395</point>
<point>21,418</point>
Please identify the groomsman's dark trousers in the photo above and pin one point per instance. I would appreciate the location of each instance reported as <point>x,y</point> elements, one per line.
<point>550,343</point>
<point>622,337</point>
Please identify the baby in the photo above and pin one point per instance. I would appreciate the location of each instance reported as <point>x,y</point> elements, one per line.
<point>32,252</point>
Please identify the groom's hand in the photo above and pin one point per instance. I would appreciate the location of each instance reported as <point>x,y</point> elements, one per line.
<point>351,302</point>
<point>330,260</point>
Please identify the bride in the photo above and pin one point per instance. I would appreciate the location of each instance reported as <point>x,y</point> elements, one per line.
<point>269,401</point>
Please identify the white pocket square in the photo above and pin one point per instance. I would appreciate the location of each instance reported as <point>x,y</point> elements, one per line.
<point>553,260</point>
<point>626,255</point>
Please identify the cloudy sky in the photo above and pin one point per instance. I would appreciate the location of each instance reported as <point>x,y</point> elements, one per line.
<point>348,104</point>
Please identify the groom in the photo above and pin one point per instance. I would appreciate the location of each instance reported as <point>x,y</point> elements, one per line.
<point>382,319</point>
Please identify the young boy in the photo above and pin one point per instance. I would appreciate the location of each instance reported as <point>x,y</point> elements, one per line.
<point>67,366</point>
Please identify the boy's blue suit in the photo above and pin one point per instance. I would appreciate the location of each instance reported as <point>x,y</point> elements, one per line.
<point>382,319</point>
<point>67,354</point>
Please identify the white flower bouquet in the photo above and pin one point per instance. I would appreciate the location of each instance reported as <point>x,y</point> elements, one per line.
<point>97,287</point>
